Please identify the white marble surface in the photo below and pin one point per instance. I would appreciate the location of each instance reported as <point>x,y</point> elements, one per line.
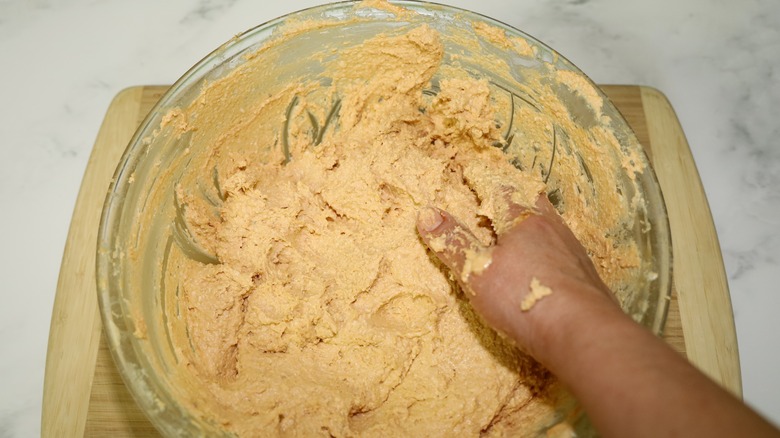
<point>718,62</point>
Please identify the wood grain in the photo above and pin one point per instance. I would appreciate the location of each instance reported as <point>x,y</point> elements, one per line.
<point>112,410</point>
<point>75,324</point>
<point>84,393</point>
<point>705,305</point>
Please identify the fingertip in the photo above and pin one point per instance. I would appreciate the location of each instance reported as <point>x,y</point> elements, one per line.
<point>429,219</point>
<point>453,244</point>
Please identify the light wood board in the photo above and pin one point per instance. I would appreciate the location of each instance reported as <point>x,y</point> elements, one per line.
<point>84,394</point>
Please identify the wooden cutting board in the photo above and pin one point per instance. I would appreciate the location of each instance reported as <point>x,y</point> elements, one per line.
<point>84,394</point>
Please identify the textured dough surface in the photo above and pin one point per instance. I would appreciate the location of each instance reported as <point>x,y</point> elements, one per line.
<point>325,313</point>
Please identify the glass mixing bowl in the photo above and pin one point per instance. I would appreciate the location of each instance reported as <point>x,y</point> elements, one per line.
<point>142,217</point>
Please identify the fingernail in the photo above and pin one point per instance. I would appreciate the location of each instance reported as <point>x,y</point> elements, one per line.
<point>429,219</point>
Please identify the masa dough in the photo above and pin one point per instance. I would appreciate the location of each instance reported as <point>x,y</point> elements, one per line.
<point>536,292</point>
<point>324,313</point>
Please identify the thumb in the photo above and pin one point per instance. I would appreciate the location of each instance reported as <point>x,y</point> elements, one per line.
<point>454,244</point>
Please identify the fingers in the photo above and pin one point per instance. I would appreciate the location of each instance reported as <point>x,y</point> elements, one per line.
<point>453,243</point>
<point>457,247</point>
<point>511,210</point>
<point>549,230</point>
<point>535,253</point>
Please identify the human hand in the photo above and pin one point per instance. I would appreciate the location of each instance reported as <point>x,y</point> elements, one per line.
<point>628,380</point>
<point>507,282</point>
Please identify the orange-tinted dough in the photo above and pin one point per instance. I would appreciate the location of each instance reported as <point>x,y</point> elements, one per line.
<point>326,314</point>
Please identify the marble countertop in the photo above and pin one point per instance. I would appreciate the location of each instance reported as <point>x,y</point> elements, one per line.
<point>64,61</point>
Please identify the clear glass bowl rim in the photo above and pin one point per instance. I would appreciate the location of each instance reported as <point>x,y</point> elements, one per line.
<point>134,377</point>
